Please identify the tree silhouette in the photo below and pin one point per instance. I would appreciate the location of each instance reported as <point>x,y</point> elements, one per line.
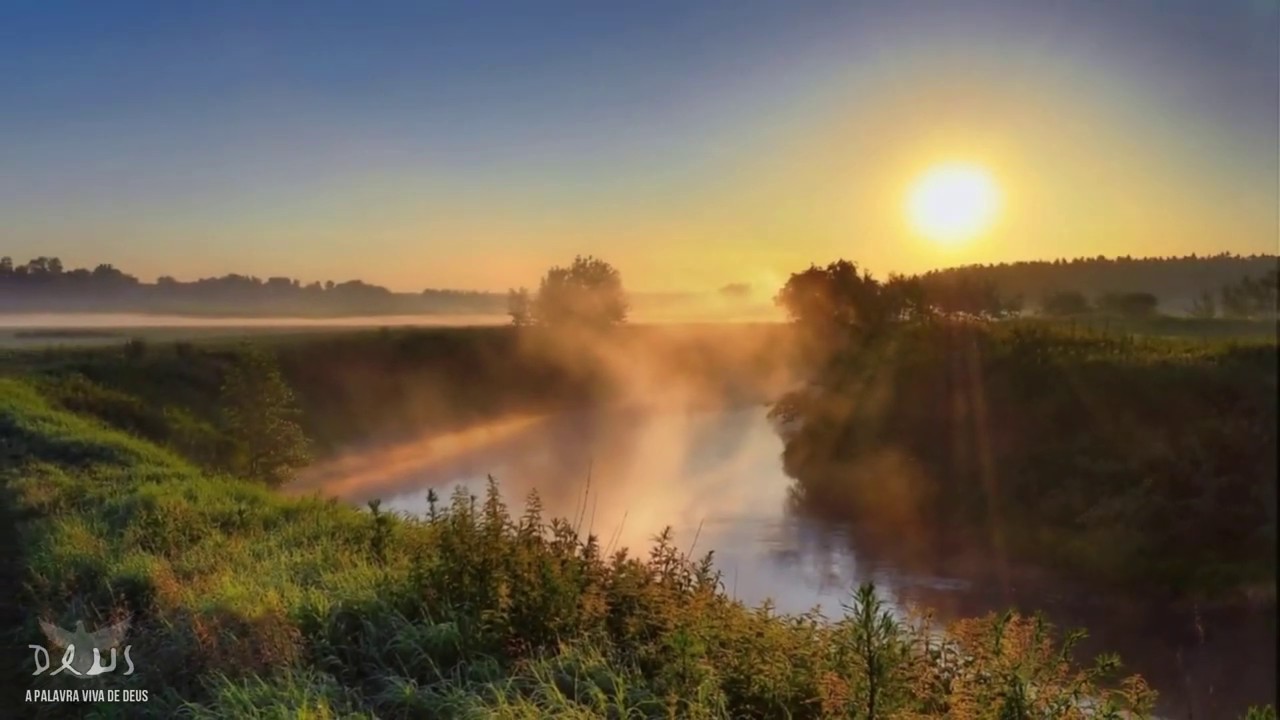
<point>1205,306</point>
<point>907,298</point>
<point>1176,281</point>
<point>969,296</point>
<point>587,293</point>
<point>838,298</point>
<point>520,307</point>
<point>1251,297</point>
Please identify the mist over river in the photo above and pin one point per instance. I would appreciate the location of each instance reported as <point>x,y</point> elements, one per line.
<point>716,478</point>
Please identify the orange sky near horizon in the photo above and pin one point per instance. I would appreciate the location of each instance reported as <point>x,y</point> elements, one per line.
<point>1105,133</point>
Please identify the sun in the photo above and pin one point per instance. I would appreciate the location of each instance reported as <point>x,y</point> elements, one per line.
<point>953,203</point>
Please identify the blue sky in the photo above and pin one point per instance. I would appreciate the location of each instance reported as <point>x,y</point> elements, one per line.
<point>473,144</point>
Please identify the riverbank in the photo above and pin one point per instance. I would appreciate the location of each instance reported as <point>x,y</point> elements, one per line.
<point>246,604</point>
<point>1146,462</point>
<point>1036,441</point>
<point>715,476</point>
<point>200,527</point>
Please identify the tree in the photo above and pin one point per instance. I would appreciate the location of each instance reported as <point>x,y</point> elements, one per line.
<point>588,293</point>
<point>1234,303</point>
<point>837,298</point>
<point>973,297</point>
<point>906,298</point>
<point>260,415</point>
<point>1251,297</point>
<point>520,307</point>
<point>1204,307</point>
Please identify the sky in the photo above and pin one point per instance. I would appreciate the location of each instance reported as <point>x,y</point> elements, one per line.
<point>692,144</point>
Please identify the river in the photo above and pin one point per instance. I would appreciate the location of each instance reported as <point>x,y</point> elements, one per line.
<point>715,477</point>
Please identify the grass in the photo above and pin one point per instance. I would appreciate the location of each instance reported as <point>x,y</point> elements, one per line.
<point>247,604</point>
<point>376,384</point>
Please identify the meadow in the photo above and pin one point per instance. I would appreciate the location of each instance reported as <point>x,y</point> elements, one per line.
<point>121,497</point>
<point>245,604</point>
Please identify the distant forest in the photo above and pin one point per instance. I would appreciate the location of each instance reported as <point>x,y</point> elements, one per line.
<point>1178,283</point>
<point>45,285</point>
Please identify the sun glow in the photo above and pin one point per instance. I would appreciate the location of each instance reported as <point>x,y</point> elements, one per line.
<point>953,203</point>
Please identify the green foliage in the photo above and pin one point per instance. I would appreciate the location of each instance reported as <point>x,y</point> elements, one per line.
<point>1163,452</point>
<point>246,604</point>
<point>840,301</point>
<point>362,385</point>
<point>260,416</point>
<point>838,298</point>
<point>174,426</point>
<point>358,386</point>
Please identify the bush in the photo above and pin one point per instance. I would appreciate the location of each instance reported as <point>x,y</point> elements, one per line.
<point>260,417</point>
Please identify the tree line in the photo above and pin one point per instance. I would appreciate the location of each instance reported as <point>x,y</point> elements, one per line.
<point>590,290</point>
<point>841,296</point>
<point>1246,299</point>
<point>45,284</point>
<point>1251,297</point>
<point>1175,282</point>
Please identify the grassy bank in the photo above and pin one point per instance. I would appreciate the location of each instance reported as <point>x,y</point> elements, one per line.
<point>1146,462</point>
<point>377,384</point>
<point>245,604</point>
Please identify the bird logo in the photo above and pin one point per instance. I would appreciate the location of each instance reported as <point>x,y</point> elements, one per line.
<point>84,652</point>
